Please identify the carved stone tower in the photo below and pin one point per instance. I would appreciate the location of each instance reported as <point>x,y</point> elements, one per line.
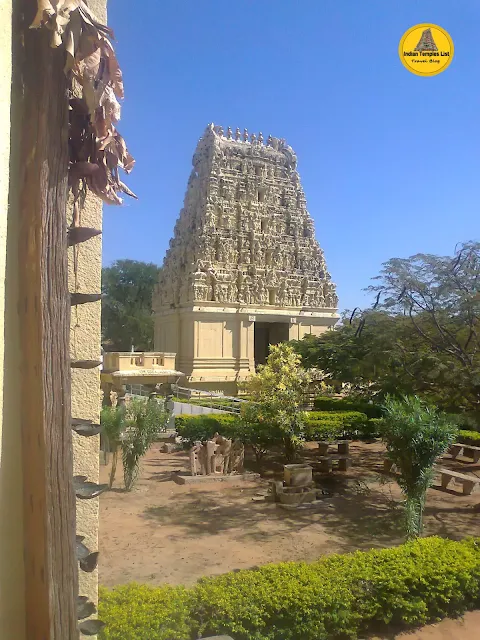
<point>426,42</point>
<point>244,269</point>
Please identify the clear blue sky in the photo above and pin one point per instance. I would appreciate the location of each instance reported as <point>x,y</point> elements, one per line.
<point>389,161</point>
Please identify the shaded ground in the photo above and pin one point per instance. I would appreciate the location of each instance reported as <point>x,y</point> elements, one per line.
<point>165,533</point>
<point>468,628</point>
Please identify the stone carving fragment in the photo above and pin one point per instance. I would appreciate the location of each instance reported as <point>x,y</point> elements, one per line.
<point>219,456</point>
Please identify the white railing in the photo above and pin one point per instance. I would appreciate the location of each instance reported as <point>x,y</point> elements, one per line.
<point>208,399</point>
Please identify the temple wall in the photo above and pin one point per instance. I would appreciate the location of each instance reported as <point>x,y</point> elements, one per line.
<point>216,346</point>
<point>243,252</point>
<point>85,270</point>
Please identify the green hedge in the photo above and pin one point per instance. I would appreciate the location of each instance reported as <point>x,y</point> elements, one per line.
<point>319,425</point>
<point>204,426</point>
<point>331,425</point>
<point>326,403</point>
<point>469,437</point>
<point>338,597</point>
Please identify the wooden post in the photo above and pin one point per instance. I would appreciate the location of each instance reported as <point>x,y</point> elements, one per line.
<point>44,314</point>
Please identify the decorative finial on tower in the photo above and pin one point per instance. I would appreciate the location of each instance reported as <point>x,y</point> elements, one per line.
<point>253,138</point>
<point>260,137</point>
<point>229,133</point>
<point>220,131</point>
<point>245,135</point>
<point>270,141</point>
<point>237,134</point>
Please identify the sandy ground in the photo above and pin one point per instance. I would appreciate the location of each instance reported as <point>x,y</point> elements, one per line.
<point>162,532</point>
<point>467,628</point>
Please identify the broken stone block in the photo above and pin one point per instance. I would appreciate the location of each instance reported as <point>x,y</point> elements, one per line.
<point>297,474</point>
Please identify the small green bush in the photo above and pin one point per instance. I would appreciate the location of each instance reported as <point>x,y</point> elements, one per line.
<point>140,612</point>
<point>466,421</point>
<point>338,597</point>
<point>371,429</point>
<point>370,409</point>
<point>326,425</point>
<point>469,437</point>
<point>204,426</point>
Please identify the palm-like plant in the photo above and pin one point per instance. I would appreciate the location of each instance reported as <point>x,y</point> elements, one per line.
<point>415,435</point>
<point>144,420</point>
<point>112,420</point>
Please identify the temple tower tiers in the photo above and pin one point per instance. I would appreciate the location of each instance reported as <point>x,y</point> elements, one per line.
<point>244,269</point>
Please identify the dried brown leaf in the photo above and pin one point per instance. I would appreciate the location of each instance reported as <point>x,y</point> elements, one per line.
<point>123,187</point>
<point>44,12</point>
<point>101,126</point>
<point>92,21</point>
<point>115,73</point>
<point>72,38</point>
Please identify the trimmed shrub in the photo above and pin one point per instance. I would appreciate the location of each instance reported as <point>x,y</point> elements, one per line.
<point>466,421</point>
<point>204,426</point>
<point>326,403</point>
<point>331,425</point>
<point>337,597</point>
<point>371,429</point>
<point>469,437</point>
<point>140,612</point>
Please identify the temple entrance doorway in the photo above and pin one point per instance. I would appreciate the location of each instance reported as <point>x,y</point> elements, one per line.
<point>265,334</point>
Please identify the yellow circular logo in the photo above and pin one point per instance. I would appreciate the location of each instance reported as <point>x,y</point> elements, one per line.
<point>426,49</point>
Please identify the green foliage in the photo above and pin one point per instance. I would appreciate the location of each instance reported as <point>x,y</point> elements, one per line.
<point>276,393</point>
<point>127,305</point>
<point>203,427</point>
<point>469,437</point>
<point>217,403</point>
<point>369,408</point>
<point>112,420</point>
<point>376,353</point>
<point>261,436</point>
<point>372,429</point>
<point>338,597</point>
<point>466,421</point>
<point>140,612</point>
<point>421,338</point>
<point>143,421</point>
<point>331,425</point>
<point>259,431</point>
<point>415,435</point>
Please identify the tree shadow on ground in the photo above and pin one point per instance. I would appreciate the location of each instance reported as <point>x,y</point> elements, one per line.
<point>361,508</point>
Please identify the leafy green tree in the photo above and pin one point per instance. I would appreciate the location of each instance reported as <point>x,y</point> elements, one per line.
<point>440,295</point>
<point>127,318</point>
<point>421,337</point>
<point>143,421</point>
<point>261,434</point>
<point>276,394</point>
<point>112,420</point>
<point>415,435</point>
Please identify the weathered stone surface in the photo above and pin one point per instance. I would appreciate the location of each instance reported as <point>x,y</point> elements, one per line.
<point>179,478</point>
<point>244,234</point>
<point>244,269</point>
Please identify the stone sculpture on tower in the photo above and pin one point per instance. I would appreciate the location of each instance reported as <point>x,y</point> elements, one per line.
<point>244,269</point>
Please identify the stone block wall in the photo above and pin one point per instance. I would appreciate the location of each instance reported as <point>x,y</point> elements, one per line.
<point>85,270</point>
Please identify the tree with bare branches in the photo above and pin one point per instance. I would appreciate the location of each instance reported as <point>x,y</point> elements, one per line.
<point>421,335</point>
